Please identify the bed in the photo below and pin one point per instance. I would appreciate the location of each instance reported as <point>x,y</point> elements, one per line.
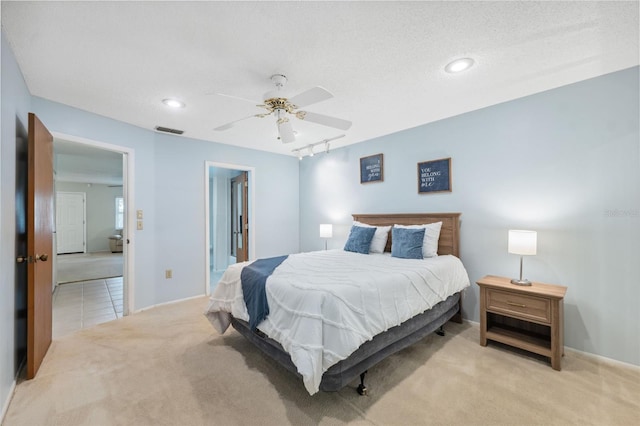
<point>333,360</point>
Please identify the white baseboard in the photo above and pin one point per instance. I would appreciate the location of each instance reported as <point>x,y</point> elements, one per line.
<point>600,358</point>
<point>603,359</point>
<point>5,406</point>
<point>168,303</point>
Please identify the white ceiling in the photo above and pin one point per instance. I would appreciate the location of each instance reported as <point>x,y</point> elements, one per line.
<point>383,61</point>
<point>74,162</point>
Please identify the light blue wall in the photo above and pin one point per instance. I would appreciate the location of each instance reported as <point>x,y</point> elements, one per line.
<point>16,103</point>
<point>564,162</point>
<point>71,121</point>
<point>180,197</point>
<point>169,188</point>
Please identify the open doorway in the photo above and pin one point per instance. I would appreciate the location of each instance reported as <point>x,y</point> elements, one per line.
<point>93,262</point>
<point>229,218</point>
<point>238,200</point>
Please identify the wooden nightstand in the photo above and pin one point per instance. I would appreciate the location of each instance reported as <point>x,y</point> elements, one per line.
<point>526,317</point>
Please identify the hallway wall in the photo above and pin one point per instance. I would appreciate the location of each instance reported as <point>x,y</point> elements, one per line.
<point>101,211</point>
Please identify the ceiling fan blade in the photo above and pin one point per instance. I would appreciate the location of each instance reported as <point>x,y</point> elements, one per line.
<point>286,131</point>
<point>311,96</point>
<point>325,120</point>
<point>257,103</point>
<point>231,124</point>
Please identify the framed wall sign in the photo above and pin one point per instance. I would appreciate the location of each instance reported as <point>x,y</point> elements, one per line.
<point>434,176</point>
<point>371,169</point>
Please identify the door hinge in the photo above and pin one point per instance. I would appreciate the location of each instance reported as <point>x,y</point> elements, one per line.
<point>246,184</point>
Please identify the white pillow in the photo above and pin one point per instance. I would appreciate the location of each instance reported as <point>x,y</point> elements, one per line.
<point>379,240</point>
<point>431,237</point>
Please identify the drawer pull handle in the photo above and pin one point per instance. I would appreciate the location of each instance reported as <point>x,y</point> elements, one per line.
<point>520,305</point>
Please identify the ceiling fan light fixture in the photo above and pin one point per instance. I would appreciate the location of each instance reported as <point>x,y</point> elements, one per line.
<point>285,131</point>
<point>276,104</point>
<point>173,103</point>
<point>279,80</point>
<point>459,65</point>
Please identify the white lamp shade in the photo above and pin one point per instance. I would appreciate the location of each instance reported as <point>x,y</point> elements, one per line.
<point>523,243</point>
<point>326,230</point>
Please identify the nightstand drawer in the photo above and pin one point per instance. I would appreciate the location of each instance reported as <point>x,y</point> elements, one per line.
<point>519,305</point>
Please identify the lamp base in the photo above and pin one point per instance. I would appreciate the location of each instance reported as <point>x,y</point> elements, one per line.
<point>520,282</point>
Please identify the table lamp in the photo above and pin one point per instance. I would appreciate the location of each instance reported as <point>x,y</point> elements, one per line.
<point>326,232</point>
<point>523,243</point>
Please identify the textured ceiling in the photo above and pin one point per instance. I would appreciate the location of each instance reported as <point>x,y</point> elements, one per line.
<point>383,61</point>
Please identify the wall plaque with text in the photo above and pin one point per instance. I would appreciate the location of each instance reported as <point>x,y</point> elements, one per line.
<point>434,176</point>
<point>371,169</point>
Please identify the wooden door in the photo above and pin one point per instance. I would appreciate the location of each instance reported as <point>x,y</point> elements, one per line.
<point>70,222</point>
<point>40,227</point>
<point>22,160</point>
<point>240,217</point>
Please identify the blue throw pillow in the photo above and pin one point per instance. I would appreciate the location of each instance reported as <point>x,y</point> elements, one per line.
<point>359,239</point>
<point>406,243</point>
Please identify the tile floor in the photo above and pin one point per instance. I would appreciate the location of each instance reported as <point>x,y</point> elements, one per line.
<point>85,304</point>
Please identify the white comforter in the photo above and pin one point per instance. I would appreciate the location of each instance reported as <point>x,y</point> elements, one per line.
<point>323,305</point>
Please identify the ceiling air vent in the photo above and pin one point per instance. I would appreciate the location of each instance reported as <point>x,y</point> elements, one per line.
<point>168,130</point>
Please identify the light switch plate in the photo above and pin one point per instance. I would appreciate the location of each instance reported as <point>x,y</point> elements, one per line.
<point>139,225</point>
<point>139,214</point>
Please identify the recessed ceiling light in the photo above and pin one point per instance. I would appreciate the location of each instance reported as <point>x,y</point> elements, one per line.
<point>173,103</point>
<point>459,65</point>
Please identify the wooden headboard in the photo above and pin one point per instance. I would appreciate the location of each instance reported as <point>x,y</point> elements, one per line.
<point>449,234</point>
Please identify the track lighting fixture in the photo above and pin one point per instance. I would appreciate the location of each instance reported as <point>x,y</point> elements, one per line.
<point>309,148</point>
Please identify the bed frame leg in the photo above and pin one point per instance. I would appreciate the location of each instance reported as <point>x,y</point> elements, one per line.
<point>440,331</point>
<point>362,389</point>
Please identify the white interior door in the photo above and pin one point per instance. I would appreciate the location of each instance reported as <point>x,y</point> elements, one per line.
<point>70,222</point>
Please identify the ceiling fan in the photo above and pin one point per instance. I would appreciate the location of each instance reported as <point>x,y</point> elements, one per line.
<point>281,107</point>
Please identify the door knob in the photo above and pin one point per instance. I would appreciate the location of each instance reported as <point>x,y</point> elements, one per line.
<point>21,259</point>
<point>42,257</point>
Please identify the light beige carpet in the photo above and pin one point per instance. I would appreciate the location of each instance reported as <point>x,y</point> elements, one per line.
<point>88,266</point>
<point>168,366</point>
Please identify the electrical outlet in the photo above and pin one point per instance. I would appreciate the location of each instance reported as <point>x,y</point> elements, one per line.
<point>139,214</point>
<point>140,227</point>
<point>168,273</point>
